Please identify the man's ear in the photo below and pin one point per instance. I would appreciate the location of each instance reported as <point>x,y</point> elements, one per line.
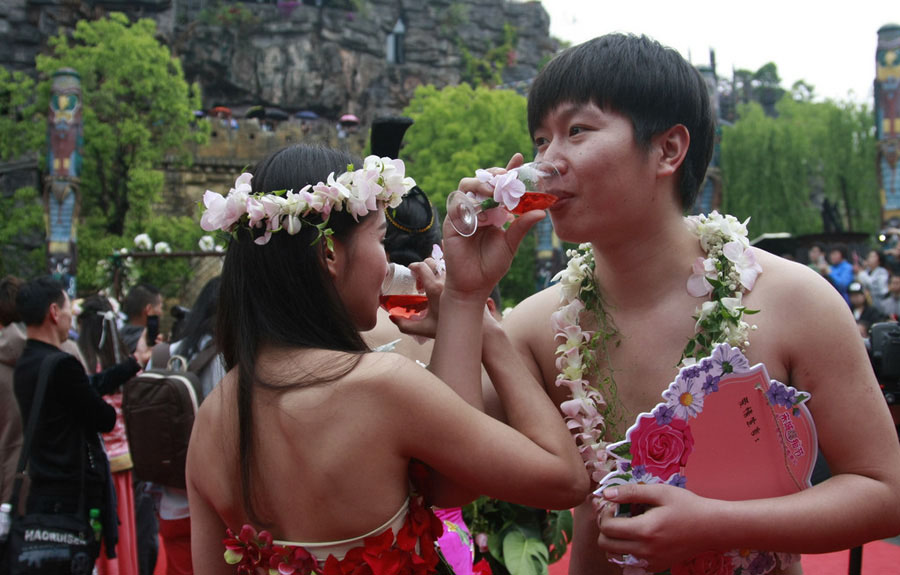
<point>53,312</point>
<point>672,147</point>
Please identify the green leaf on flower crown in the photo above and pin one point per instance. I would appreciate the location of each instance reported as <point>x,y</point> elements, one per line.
<point>750,311</point>
<point>280,192</point>
<point>524,555</point>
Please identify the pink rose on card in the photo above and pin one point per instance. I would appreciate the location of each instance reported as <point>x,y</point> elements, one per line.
<point>710,563</point>
<point>661,449</point>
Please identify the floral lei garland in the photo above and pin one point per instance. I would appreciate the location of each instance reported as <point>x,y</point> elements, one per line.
<point>729,270</point>
<point>357,191</point>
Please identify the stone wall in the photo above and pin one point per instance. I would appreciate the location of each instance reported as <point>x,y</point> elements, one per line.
<point>296,55</point>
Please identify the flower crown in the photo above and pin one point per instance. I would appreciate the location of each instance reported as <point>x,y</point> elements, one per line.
<point>356,191</point>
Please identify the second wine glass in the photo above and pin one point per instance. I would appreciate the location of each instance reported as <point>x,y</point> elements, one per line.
<point>538,179</point>
<point>399,295</point>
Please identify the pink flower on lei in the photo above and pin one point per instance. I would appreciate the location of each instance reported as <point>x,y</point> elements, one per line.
<point>697,284</point>
<point>744,261</point>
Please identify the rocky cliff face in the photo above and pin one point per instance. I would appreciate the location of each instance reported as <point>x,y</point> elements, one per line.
<point>333,58</point>
<point>334,61</point>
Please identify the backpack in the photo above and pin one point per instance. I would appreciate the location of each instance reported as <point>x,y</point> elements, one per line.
<point>159,406</point>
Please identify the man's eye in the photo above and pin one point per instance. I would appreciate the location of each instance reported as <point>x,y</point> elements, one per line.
<point>574,130</point>
<point>540,142</point>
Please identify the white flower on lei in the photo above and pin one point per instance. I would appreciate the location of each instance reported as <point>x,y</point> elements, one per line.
<point>744,261</point>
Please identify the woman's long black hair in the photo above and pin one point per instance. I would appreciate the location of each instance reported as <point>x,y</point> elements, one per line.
<point>280,294</point>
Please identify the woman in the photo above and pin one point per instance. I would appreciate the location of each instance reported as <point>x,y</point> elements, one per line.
<point>310,436</point>
<point>101,347</point>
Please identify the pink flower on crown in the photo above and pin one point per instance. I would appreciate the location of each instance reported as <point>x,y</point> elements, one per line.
<point>364,193</point>
<point>257,212</point>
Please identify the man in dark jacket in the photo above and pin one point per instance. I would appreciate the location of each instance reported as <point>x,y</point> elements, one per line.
<point>66,437</point>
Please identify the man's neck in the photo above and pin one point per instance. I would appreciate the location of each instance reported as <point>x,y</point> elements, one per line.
<point>646,265</point>
<point>44,333</point>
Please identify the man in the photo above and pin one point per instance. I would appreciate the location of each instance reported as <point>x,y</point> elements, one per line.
<point>72,413</point>
<point>142,302</point>
<point>890,303</point>
<point>838,270</point>
<point>628,124</point>
<point>12,342</point>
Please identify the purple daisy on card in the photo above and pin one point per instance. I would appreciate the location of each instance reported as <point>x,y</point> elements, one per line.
<point>780,394</point>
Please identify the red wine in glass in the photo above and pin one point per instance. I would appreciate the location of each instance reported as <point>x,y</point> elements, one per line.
<point>404,305</point>
<point>533,201</point>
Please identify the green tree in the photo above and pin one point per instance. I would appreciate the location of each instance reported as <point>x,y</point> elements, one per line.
<point>22,128</point>
<point>22,234</point>
<point>137,116</point>
<point>779,169</point>
<point>457,130</point>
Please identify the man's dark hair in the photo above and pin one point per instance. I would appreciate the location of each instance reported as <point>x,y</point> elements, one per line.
<point>842,248</point>
<point>652,85</point>
<point>34,299</point>
<point>9,287</point>
<point>138,298</point>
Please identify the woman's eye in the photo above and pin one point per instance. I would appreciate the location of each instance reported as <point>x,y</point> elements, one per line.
<point>575,130</point>
<point>540,142</point>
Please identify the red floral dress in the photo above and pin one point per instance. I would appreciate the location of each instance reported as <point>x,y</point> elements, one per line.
<point>410,552</point>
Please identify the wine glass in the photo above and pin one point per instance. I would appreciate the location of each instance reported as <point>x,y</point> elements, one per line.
<point>399,295</point>
<point>539,179</point>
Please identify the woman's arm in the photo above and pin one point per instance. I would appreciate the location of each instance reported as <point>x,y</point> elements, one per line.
<point>533,461</point>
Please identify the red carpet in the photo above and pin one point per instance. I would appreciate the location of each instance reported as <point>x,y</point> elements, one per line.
<point>879,558</point>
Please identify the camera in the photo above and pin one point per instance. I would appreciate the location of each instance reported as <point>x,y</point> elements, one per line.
<point>884,353</point>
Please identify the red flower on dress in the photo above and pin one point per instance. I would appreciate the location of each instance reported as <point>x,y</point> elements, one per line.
<point>412,552</point>
<point>482,568</point>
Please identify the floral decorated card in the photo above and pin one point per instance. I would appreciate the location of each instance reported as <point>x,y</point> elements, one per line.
<point>724,430</point>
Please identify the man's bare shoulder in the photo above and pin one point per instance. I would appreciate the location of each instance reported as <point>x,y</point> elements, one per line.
<point>531,317</point>
<point>793,288</point>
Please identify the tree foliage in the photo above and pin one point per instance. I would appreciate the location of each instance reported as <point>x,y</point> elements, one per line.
<point>779,169</point>
<point>22,128</point>
<point>458,130</point>
<point>21,234</point>
<point>137,116</point>
<point>138,109</point>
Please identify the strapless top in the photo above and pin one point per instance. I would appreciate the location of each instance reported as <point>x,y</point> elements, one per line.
<point>404,545</point>
<point>321,550</point>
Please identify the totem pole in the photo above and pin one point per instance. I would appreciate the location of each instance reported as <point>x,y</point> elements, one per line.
<point>887,117</point>
<point>64,168</point>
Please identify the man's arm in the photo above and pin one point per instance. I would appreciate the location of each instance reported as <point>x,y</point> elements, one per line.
<point>819,344</point>
<point>72,383</point>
